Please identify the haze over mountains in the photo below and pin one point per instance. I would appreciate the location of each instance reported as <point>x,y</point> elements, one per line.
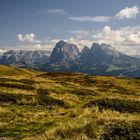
<point>99,60</point>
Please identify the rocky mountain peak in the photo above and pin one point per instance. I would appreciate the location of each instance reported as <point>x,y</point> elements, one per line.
<point>85,49</point>
<point>64,51</point>
<point>105,49</point>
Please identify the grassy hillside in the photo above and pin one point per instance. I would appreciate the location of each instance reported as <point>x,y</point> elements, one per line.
<point>69,106</point>
<point>13,71</point>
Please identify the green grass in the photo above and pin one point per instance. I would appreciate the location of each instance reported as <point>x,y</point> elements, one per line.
<point>69,106</point>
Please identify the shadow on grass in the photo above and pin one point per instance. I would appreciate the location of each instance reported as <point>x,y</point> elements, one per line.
<point>17,85</point>
<point>122,131</point>
<point>24,81</point>
<point>24,99</point>
<point>116,104</point>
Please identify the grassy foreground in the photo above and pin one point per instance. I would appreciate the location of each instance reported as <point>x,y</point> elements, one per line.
<point>69,106</point>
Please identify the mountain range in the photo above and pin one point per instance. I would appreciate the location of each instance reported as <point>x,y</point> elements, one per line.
<point>100,59</point>
<point>26,59</point>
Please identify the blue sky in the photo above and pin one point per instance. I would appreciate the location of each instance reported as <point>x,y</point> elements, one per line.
<point>39,24</point>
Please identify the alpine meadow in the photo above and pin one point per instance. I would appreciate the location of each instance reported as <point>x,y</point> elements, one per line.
<point>69,70</point>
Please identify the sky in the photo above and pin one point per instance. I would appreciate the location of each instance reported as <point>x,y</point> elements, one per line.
<point>40,24</point>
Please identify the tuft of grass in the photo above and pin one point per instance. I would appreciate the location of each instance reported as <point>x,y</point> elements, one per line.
<point>89,130</point>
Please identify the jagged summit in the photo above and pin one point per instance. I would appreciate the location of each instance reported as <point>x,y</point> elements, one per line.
<point>64,51</point>
<point>108,49</point>
<point>85,48</point>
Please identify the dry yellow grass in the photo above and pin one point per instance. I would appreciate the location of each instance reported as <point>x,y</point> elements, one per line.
<point>55,107</point>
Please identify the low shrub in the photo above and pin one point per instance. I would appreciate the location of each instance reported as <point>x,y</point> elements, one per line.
<point>116,104</point>
<point>47,100</point>
<point>122,131</point>
<point>17,99</point>
<point>18,86</point>
<point>43,91</point>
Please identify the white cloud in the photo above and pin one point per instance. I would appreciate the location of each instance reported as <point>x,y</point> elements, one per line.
<point>2,51</point>
<point>91,18</point>
<point>126,39</point>
<point>56,11</point>
<point>28,38</point>
<point>79,32</point>
<point>46,47</point>
<point>80,43</point>
<point>128,13</point>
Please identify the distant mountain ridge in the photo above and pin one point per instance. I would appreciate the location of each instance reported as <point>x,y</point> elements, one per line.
<point>100,59</point>
<point>24,58</point>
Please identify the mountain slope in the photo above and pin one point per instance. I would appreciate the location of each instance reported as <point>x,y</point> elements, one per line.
<point>135,73</point>
<point>105,55</point>
<point>13,71</point>
<point>106,60</point>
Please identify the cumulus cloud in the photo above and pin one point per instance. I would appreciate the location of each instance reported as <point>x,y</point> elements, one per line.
<point>56,11</point>
<point>38,47</point>
<point>125,39</point>
<point>91,18</point>
<point>79,42</point>
<point>128,36</point>
<point>2,51</point>
<point>28,38</point>
<point>128,13</point>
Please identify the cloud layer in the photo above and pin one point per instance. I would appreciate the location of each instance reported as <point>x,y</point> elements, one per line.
<point>56,11</point>
<point>125,13</point>
<point>91,18</point>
